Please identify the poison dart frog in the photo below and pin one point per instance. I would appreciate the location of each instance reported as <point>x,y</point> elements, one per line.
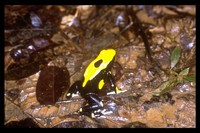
<point>96,74</point>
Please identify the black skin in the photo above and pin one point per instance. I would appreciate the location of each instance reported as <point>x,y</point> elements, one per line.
<point>90,92</point>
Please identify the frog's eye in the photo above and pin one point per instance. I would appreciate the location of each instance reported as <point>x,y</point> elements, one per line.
<point>98,63</point>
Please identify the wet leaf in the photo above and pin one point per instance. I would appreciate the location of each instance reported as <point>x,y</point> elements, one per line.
<point>180,79</point>
<point>18,71</point>
<point>35,20</point>
<point>191,78</point>
<point>12,112</point>
<point>136,124</point>
<point>175,56</point>
<point>163,88</point>
<point>122,20</point>
<point>30,47</point>
<point>184,72</point>
<point>13,94</point>
<point>173,76</point>
<point>26,123</point>
<point>76,124</point>
<point>19,53</point>
<point>52,83</point>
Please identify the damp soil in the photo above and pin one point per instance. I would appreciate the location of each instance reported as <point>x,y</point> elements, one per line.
<point>67,38</point>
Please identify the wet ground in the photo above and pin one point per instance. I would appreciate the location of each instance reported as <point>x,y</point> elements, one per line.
<point>154,68</point>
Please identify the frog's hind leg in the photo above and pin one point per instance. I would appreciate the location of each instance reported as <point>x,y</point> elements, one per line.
<point>94,108</point>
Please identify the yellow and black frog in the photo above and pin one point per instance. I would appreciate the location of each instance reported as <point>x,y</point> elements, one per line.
<point>95,76</point>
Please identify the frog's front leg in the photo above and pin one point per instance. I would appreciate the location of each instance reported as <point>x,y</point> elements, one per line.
<point>73,89</point>
<point>112,82</point>
<point>94,108</point>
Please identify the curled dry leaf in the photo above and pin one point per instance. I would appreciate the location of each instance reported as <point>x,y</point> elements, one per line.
<point>52,83</point>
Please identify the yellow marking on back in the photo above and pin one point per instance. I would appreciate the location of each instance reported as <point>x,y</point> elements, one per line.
<point>101,84</point>
<point>106,56</point>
